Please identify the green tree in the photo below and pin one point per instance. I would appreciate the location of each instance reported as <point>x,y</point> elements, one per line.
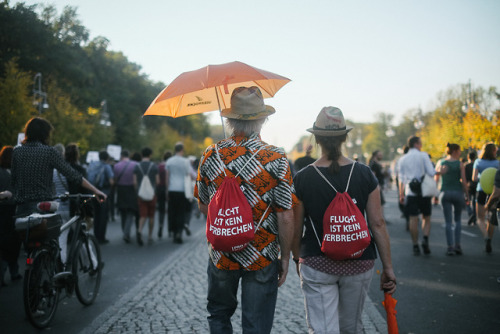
<point>70,123</point>
<point>15,103</point>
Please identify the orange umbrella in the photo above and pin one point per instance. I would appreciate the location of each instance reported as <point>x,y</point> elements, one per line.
<point>390,309</point>
<point>209,88</point>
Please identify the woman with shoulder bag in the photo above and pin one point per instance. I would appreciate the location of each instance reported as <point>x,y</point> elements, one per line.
<point>335,290</point>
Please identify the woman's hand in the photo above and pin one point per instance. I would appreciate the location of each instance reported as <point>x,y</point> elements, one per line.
<point>101,196</point>
<point>388,281</point>
<point>5,194</point>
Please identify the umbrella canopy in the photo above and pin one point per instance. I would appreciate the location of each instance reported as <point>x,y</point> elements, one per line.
<point>209,88</point>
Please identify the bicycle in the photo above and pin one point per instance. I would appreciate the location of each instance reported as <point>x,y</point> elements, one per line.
<point>45,275</point>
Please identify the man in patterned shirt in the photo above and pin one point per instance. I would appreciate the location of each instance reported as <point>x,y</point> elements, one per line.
<point>263,265</point>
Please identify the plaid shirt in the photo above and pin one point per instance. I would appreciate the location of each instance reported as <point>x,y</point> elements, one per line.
<point>266,179</point>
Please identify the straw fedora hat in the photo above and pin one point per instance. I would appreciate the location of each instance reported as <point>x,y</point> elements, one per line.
<point>330,122</point>
<point>247,103</point>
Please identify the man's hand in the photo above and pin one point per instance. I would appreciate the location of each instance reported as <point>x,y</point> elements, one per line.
<point>282,270</point>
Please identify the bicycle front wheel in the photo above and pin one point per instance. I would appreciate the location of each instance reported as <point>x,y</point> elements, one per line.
<point>87,269</point>
<point>40,294</point>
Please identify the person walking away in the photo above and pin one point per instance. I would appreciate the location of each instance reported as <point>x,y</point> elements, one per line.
<point>190,198</point>
<point>335,290</point>
<point>61,187</point>
<point>454,191</point>
<point>101,175</point>
<point>414,165</point>
<point>72,156</point>
<point>161,195</point>
<point>267,182</point>
<point>147,207</point>
<point>10,243</point>
<point>493,203</point>
<point>177,167</point>
<point>487,159</point>
<point>471,187</point>
<point>126,196</point>
<point>378,171</point>
<point>305,160</point>
<point>401,206</point>
<point>33,163</point>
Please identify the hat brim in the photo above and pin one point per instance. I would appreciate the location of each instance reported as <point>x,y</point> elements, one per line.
<point>330,133</point>
<point>229,113</point>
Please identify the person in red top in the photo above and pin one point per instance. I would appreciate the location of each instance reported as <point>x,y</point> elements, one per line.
<point>161,195</point>
<point>263,265</point>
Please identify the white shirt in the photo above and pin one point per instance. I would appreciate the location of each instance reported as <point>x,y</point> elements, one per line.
<point>177,168</point>
<point>414,164</point>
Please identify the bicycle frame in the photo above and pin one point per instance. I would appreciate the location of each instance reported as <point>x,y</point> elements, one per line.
<point>45,274</point>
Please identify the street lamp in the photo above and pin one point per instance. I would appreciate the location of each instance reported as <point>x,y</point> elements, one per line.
<point>418,124</point>
<point>38,94</point>
<point>104,115</point>
<point>469,101</point>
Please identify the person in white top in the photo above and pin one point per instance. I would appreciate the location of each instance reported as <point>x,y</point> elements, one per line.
<point>414,165</point>
<point>177,167</point>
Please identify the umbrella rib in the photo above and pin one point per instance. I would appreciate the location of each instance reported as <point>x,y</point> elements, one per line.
<point>262,88</point>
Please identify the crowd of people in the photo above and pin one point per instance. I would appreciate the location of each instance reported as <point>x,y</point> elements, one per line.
<point>289,202</point>
<point>35,171</point>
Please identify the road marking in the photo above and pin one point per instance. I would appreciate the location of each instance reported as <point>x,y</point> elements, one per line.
<point>469,234</point>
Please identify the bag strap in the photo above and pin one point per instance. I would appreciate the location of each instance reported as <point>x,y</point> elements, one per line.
<point>147,172</point>
<point>221,163</point>
<point>98,178</point>
<point>122,172</point>
<point>262,217</point>
<point>324,177</point>
<point>314,229</point>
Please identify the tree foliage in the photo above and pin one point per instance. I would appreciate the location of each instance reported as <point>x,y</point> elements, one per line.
<point>15,102</point>
<point>79,75</point>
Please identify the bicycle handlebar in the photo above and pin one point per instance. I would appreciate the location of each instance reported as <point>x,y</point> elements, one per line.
<point>68,196</point>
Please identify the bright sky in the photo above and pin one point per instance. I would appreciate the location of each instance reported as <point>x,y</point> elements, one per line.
<point>364,57</point>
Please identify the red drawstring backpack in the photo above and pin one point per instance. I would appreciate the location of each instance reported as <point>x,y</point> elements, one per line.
<point>230,224</point>
<point>345,232</point>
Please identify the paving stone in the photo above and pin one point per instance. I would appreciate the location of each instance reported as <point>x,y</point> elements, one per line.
<point>172,299</point>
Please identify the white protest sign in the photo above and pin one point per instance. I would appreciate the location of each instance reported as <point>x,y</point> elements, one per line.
<point>114,151</point>
<point>92,156</point>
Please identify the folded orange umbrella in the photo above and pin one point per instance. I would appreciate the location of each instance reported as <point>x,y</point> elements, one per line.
<point>390,308</point>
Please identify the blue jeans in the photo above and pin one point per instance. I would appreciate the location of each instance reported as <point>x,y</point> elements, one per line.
<point>259,291</point>
<point>455,199</point>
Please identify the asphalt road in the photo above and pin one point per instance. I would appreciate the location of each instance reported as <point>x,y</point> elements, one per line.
<point>439,293</point>
<point>125,266</point>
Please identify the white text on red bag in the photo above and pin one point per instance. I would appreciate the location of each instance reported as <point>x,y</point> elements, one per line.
<point>345,232</point>
<point>230,224</point>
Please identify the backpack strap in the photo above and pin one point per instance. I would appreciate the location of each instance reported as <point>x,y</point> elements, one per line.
<point>221,164</point>
<point>147,172</point>
<point>314,229</point>
<point>324,177</point>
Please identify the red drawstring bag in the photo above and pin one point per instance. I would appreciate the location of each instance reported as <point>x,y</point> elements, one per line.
<point>345,232</point>
<point>230,224</point>
<point>229,220</point>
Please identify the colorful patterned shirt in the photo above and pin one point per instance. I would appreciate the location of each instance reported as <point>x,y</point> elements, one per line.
<point>266,179</point>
